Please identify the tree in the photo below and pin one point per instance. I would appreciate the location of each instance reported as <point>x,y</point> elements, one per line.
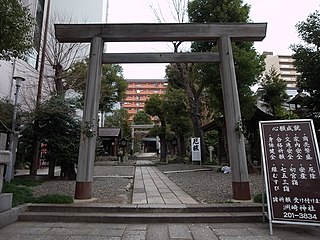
<point>59,131</point>
<point>119,118</point>
<point>6,111</point>
<point>113,85</point>
<point>16,25</point>
<point>61,56</point>
<point>273,91</point>
<point>142,118</point>
<point>154,106</point>
<point>307,62</point>
<point>178,117</point>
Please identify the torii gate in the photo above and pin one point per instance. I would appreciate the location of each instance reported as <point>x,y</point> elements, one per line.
<point>98,34</point>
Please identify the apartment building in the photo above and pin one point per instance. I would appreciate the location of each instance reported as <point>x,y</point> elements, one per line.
<point>284,65</point>
<point>139,90</point>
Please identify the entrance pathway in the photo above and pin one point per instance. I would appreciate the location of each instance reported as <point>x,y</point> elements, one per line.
<point>151,186</point>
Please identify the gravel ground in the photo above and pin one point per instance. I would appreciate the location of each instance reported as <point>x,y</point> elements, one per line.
<point>208,186</point>
<point>112,184</point>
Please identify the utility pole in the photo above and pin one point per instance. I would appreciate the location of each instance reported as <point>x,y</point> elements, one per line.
<point>35,144</point>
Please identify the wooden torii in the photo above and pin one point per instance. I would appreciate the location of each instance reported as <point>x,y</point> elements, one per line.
<point>224,34</point>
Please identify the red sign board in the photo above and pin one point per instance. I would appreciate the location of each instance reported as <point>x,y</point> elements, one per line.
<point>292,174</point>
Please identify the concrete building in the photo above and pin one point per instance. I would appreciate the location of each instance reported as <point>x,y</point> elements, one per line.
<point>284,65</point>
<point>139,90</point>
<point>72,11</point>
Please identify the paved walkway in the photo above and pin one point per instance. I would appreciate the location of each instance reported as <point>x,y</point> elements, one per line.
<point>106,231</point>
<point>151,186</point>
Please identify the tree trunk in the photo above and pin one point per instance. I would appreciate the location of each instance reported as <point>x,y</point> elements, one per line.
<point>194,104</point>
<point>52,164</point>
<point>58,79</point>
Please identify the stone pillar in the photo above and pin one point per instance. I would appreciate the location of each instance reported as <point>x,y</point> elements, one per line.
<point>89,122</point>
<point>235,138</point>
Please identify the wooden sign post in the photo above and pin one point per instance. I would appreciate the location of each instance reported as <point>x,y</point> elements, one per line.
<point>292,173</point>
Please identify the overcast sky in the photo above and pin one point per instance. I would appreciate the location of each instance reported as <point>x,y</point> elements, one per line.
<point>281,16</point>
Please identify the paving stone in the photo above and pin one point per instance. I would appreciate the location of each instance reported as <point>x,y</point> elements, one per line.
<point>179,231</point>
<point>134,235</point>
<point>202,232</point>
<point>157,232</point>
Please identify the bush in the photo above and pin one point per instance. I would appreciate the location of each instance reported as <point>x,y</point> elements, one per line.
<point>53,198</point>
<point>258,198</point>
<point>26,182</point>
<point>21,194</point>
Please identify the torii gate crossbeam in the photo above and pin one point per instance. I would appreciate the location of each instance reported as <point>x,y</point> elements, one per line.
<point>223,33</point>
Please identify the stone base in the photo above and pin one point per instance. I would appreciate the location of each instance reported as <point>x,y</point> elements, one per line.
<point>8,215</point>
<point>5,202</point>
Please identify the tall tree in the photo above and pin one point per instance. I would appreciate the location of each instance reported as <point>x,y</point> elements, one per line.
<point>273,91</point>
<point>142,117</point>
<point>154,106</point>
<point>113,85</point>
<point>59,130</point>
<point>248,64</point>
<point>307,62</point>
<point>16,25</point>
<point>120,118</point>
<point>178,117</point>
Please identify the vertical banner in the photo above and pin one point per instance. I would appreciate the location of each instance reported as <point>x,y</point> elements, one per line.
<point>291,165</point>
<point>196,149</point>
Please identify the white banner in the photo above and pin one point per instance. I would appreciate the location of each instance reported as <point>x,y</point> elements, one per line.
<point>196,149</point>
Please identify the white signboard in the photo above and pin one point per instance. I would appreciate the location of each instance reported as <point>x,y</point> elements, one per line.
<point>196,149</point>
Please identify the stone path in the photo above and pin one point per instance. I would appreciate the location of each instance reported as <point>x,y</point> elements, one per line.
<point>151,186</point>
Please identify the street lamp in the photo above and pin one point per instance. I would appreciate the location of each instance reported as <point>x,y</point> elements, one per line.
<point>14,134</point>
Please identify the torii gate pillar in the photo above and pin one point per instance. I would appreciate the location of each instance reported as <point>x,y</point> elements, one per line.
<point>236,146</point>
<point>88,138</point>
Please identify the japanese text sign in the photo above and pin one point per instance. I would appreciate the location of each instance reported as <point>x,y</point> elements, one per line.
<point>196,149</point>
<point>291,166</point>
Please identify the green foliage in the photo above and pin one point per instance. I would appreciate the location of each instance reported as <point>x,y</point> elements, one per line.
<point>26,182</point>
<point>258,198</point>
<point>6,112</point>
<point>21,194</point>
<point>119,118</point>
<point>113,85</point>
<point>142,118</point>
<point>53,198</point>
<point>176,110</point>
<point>307,62</point>
<point>273,91</point>
<point>16,25</point>
<point>248,63</point>
<point>58,129</point>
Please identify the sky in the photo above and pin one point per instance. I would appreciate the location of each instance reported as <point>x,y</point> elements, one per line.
<point>281,16</point>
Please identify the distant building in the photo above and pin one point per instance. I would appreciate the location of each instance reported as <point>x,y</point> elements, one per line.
<point>284,65</point>
<point>139,90</point>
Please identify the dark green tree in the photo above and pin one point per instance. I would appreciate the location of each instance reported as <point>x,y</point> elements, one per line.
<point>113,85</point>
<point>16,25</point>
<point>178,117</point>
<point>6,111</point>
<point>120,118</point>
<point>154,106</point>
<point>59,131</point>
<point>248,63</point>
<point>307,62</point>
<point>273,92</point>
<point>141,118</point>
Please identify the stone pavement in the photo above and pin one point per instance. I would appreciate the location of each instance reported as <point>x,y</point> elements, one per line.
<point>106,231</point>
<point>151,186</point>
